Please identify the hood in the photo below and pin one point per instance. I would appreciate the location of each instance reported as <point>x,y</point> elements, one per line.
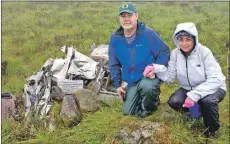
<point>188,27</point>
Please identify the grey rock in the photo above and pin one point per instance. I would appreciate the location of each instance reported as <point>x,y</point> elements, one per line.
<point>153,126</point>
<point>57,94</point>
<point>146,133</point>
<point>122,134</point>
<point>70,112</point>
<point>136,134</point>
<point>108,98</point>
<point>88,100</point>
<point>147,141</point>
<point>131,140</point>
<point>141,135</point>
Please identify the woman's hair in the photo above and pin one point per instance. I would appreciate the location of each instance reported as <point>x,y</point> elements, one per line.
<point>182,33</point>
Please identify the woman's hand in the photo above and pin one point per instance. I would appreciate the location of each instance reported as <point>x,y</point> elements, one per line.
<point>188,102</point>
<point>149,71</point>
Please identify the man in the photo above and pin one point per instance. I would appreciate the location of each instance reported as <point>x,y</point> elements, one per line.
<point>132,48</point>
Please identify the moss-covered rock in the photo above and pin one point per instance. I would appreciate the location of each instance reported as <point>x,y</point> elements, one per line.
<point>70,111</point>
<point>88,100</point>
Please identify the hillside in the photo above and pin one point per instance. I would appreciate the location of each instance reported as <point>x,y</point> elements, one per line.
<point>33,32</point>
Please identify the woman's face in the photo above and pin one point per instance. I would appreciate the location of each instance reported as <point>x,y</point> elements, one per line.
<point>186,43</point>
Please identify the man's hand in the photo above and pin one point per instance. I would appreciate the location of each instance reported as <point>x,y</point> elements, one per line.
<point>149,72</point>
<point>121,92</point>
<point>188,102</point>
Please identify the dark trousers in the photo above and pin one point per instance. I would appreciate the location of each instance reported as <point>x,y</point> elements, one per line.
<point>208,106</point>
<point>143,96</point>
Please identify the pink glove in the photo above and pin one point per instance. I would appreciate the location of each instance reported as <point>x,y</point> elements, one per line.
<point>149,69</point>
<point>188,102</point>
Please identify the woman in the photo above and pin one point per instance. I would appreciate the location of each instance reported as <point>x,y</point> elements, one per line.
<point>200,77</point>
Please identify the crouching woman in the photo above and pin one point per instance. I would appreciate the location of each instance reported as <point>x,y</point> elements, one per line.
<point>200,77</point>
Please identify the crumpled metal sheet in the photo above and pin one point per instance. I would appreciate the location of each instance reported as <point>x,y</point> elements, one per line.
<point>37,91</point>
<point>101,51</point>
<point>58,64</point>
<point>63,73</point>
<point>83,66</point>
<point>30,90</point>
<point>84,69</point>
<point>47,65</point>
<point>75,64</point>
<point>36,77</point>
<point>45,99</point>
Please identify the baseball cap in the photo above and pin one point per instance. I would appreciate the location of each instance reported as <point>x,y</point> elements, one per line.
<point>127,7</point>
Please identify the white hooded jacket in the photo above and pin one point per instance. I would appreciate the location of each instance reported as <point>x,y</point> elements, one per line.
<point>203,75</point>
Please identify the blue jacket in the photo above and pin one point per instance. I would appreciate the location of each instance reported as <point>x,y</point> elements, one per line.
<point>130,60</point>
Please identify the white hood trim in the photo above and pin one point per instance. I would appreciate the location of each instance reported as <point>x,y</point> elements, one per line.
<point>188,27</point>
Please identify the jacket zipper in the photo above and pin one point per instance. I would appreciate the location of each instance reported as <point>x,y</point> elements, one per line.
<point>131,57</point>
<point>131,52</point>
<point>187,72</point>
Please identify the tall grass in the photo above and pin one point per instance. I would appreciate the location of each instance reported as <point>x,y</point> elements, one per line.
<point>32,32</point>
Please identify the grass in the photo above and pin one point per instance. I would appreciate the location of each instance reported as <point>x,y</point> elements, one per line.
<point>33,32</point>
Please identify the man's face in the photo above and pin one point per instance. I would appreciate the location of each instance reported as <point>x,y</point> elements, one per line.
<point>186,43</point>
<point>128,21</point>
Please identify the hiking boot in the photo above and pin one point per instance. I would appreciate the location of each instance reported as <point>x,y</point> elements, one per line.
<point>143,113</point>
<point>211,134</point>
<point>138,113</point>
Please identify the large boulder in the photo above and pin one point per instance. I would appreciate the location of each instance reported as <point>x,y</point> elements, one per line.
<point>88,100</point>
<point>70,112</point>
<point>141,134</point>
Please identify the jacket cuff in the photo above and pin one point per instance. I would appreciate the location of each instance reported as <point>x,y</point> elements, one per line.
<point>116,85</point>
<point>159,68</point>
<point>193,96</point>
